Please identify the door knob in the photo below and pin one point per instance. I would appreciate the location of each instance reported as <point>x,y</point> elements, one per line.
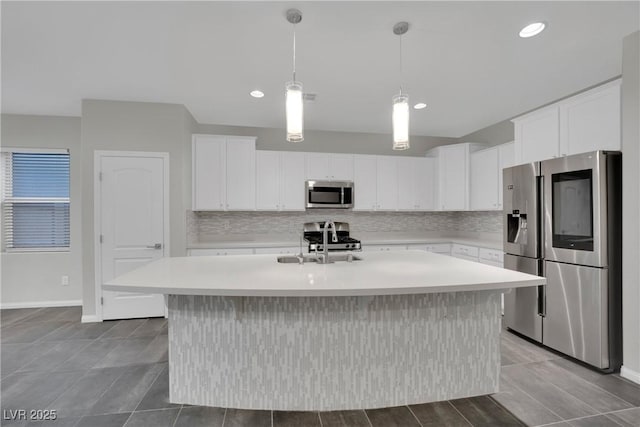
<point>156,246</point>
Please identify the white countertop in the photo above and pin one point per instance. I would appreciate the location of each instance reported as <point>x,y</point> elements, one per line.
<point>379,273</point>
<point>486,240</point>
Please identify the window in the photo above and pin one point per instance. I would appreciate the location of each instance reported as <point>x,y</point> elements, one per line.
<point>35,199</point>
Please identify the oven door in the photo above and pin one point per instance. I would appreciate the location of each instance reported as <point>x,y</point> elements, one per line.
<point>575,209</point>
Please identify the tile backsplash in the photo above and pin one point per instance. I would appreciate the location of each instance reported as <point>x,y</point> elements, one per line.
<point>250,222</point>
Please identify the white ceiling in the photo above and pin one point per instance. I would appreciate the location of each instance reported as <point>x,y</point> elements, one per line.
<point>464,59</point>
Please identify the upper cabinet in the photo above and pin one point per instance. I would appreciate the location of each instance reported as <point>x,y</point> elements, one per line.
<point>279,180</point>
<point>453,175</point>
<point>416,183</point>
<point>375,183</point>
<point>486,176</point>
<point>586,122</point>
<point>329,166</point>
<point>223,173</point>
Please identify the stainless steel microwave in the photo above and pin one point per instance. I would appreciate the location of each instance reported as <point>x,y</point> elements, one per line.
<point>329,194</point>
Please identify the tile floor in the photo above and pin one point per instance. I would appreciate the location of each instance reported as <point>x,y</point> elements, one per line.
<point>114,374</point>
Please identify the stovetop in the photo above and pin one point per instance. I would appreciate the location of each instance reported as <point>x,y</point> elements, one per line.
<point>313,235</point>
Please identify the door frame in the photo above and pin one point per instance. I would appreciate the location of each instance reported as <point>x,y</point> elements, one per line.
<point>97,213</point>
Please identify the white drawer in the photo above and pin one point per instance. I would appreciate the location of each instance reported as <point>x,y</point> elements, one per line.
<point>492,255</point>
<point>440,248</point>
<point>464,251</point>
<point>380,248</point>
<point>219,252</point>
<point>493,263</point>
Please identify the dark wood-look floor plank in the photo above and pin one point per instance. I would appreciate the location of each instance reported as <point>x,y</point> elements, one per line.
<point>63,422</point>
<point>26,332</point>
<point>107,420</point>
<point>523,407</point>
<point>128,390</point>
<point>627,418</point>
<point>482,411</point>
<point>157,418</point>
<point>200,416</point>
<point>397,416</point>
<point>344,419</point>
<point>295,419</point>
<point>158,395</point>
<point>89,356</point>
<point>612,383</point>
<point>558,401</point>
<point>123,328</point>
<point>58,354</point>
<point>599,399</point>
<point>126,353</point>
<point>15,315</point>
<point>597,421</point>
<point>247,418</point>
<point>36,390</point>
<point>439,414</point>
<point>150,328</point>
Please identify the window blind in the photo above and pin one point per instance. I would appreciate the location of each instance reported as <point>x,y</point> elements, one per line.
<point>35,200</point>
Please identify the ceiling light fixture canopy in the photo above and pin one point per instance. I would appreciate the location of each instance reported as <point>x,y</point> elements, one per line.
<point>256,93</point>
<point>400,115</point>
<point>420,106</point>
<point>294,111</point>
<point>532,30</point>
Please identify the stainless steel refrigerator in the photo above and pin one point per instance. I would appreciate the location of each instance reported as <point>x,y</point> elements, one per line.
<point>563,221</point>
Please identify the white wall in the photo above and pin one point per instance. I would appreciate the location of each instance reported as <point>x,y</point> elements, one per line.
<point>134,126</point>
<point>34,278</point>
<point>631,206</point>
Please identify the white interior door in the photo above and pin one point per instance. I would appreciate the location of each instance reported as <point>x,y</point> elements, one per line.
<point>132,225</point>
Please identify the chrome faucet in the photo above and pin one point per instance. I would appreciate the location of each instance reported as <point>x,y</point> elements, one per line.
<point>325,239</point>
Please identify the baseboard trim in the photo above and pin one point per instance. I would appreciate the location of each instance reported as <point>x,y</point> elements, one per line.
<point>40,304</point>
<point>630,375</point>
<point>90,319</point>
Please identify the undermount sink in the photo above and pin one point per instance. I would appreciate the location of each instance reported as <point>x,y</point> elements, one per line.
<point>295,259</point>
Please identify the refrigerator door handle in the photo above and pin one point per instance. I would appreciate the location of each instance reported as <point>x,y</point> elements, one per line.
<point>542,301</point>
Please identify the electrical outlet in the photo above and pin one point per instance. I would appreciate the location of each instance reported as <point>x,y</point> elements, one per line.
<point>64,281</point>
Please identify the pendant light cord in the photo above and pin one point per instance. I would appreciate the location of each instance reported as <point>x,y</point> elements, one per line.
<point>294,52</point>
<point>400,64</point>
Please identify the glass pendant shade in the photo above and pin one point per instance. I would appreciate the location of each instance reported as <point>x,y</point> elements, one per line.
<point>294,112</point>
<point>400,120</point>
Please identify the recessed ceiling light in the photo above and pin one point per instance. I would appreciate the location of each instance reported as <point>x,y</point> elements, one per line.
<point>420,106</point>
<point>532,30</point>
<point>257,93</point>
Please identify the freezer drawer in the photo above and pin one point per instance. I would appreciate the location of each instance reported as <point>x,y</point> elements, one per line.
<point>576,321</point>
<point>523,305</point>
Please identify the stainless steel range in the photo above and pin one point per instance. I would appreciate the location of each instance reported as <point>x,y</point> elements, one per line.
<point>338,237</point>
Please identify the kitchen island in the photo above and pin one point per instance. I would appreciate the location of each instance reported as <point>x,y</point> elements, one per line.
<point>395,328</point>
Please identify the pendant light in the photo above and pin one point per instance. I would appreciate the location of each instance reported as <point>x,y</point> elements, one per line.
<point>294,111</point>
<point>400,115</point>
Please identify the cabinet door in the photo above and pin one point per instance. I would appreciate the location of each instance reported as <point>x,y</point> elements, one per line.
<point>267,180</point>
<point>387,183</point>
<point>292,181</point>
<point>506,159</point>
<point>341,167</point>
<point>208,173</point>
<point>317,166</point>
<point>365,182</point>
<point>241,174</point>
<point>484,180</point>
<point>453,165</point>
<point>591,121</point>
<point>538,136</point>
<point>425,183</point>
<point>407,183</point>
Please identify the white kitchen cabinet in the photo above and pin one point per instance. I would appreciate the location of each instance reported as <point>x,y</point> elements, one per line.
<point>537,135</point>
<point>506,159</point>
<point>220,252</point>
<point>279,250</point>
<point>590,121</point>
<point>484,179</point>
<point>279,180</point>
<point>387,183</point>
<point>493,257</point>
<point>383,248</point>
<point>329,166</point>
<point>439,248</point>
<point>453,174</point>
<point>416,183</point>
<point>364,182</point>
<point>223,173</point>
<point>585,122</point>
<point>464,252</point>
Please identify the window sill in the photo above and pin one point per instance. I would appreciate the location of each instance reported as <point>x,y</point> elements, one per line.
<point>35,250</point>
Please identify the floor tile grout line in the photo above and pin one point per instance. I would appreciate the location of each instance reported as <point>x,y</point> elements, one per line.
<point>414,415</point>
<point>500,406</point>
<point>537,401</point>
<point>149,388</point>
<point>461,414</point>
<point>272,418</point>
<point>224,417</point>
<point>367,416</point>
<point>319,418</point>
<point>180,411</point>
